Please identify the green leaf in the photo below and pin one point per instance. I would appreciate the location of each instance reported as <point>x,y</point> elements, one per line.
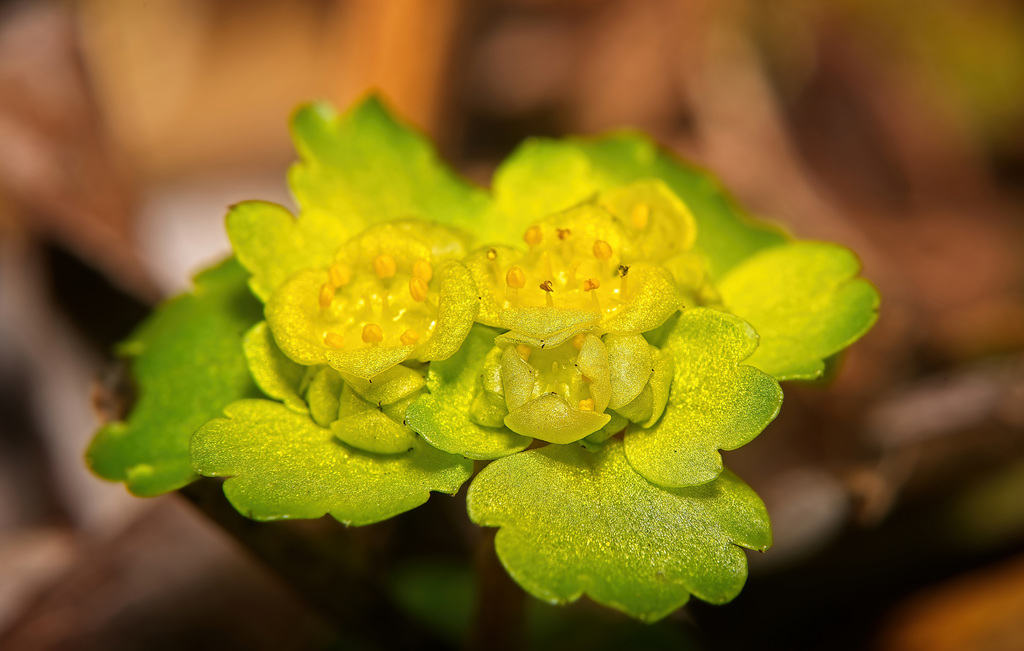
<point>714,402</point>
<point>281,464</point>
<point>278,376</point>
<point>545,176</point>
<point>367,167</point>
<point>806,303</point>
<point>442,417</point>
<point>273,245</point>
<point>188,363</point>
<point>575,523</point>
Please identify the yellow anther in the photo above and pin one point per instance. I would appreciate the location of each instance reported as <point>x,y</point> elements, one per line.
<point>384,266</point>
<point>577,341</point>
<point>546,286</point>
<point>590,284</point>
<point>372,334</point>
<point>623,270</point>
<point>334,340</point>
<point>326,295</point>
<point>524,351</point>
<point>492,254</point>
<point>533,235</point>
<point>422,269</point>
<point>563,233</point>
<point>340,275</point>
<point>418,289</point>
<point>640,216</point>
<point>515,277</point>
<point>602,250</point>
<point>587,405</point>
<point>410,337</point>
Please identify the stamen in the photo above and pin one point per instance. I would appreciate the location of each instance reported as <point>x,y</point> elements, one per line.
<point>524,351</point>
<point>384,266</point>
<point>423,269</point>
<point>326,295</point>
<point>340,275</point>
<point>548,289</point>
<point>533,236</point>
<point>624,275</point>
<point>587,405</point>
<point>590,284</point>
<point>602,250</point>
<point>334,340</point>
<point>563,233</point>
<point>372,334</point>
<point>409,337</point>
<point>640,216</point>
<point>515,278</point>
<point>492,255</point>
<point>577,341</point>
<point>418,289</point>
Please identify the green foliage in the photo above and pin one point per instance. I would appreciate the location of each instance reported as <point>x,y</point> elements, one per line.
<point>602,307</point>
<point>281,464</point>
<point>575,523</point>
<point>188,364</point>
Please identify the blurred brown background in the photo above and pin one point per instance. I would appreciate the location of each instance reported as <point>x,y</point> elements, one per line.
<point>896,128</point>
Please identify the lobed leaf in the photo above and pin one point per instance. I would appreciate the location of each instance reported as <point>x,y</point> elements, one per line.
<point>280,464</point>
<point>714,403</point>
<point>188,363</point>
<point>575,523</point>
<point>806,303</point>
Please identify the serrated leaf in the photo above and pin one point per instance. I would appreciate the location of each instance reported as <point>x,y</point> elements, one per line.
<point>575,523</point>
<point>275,374</point>
<point>368,167</point>
<point>806,303</point>
<point>714,402</point>
<point>442,417</point>
<point>545,176</point>
<point>281,464</point>
<point>188,363</point>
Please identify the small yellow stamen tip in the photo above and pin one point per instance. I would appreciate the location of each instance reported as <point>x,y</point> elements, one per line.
<point>372,334</point>
<point>563,233</point>
<point>524,351</point>
<point>590,284</point>
<point>602,250</point>
<point>587,405</point>
<point>640,216</point>
<point>334,340</point>
<point>577,341</point>
<point>409,337</point>
<point>340,275</point>
<point>516,278</point>
<point>492,254</point>
<point>384,266</point>
<point>623,270</point>
<point>422,269</point>
<point>418,289</point>
<point>533,235</point>
<point>546,286</point>
<point>326,295</point>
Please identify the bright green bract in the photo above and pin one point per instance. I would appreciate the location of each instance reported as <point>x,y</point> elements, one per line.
<point>281,464</point>
<point>575,523</point>
<point>598,327</point>
<point>188,364</point>
<point>805,301</point>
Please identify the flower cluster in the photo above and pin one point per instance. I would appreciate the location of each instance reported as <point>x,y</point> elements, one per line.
<point>597,327</point>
